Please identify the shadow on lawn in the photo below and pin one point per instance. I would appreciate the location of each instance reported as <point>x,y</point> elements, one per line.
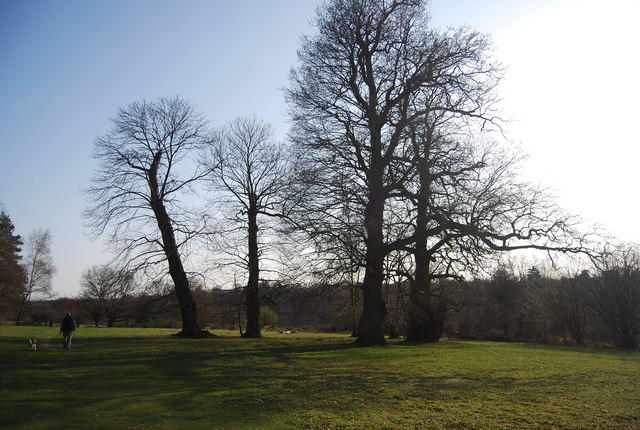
<point>148,381</point>
<point>222,383</point>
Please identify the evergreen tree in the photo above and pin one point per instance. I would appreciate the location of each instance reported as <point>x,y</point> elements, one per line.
<point>12,277</point>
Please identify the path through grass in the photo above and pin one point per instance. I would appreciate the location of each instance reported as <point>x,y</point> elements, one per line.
<point>143,378</point>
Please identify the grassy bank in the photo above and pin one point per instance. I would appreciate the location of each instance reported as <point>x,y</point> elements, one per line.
<point>143,378</point>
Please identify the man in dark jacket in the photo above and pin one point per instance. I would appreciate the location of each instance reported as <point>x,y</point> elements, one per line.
<point>67,327</point>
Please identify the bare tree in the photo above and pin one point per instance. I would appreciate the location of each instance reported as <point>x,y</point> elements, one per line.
<point>394,112</point>
<point>615,295</point>
<point>38,268</point>
<point>250,169</point>
<point>469,206</point>
<point>349,98</point>
<point>567,305</point>
<point>146,166</point>
<point>363,80</point>
<point>105,290</point>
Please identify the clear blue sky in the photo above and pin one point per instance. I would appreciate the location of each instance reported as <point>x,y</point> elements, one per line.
<point>66,66</point>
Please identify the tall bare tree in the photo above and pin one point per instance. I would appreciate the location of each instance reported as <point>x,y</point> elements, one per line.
<point>469,205</point>
<point>251,170</point>
<point>38,268</point>
<point>104,292</point>
<point>386,105</point>
<point>349,98</point>
<point>362,82</point>
<point>146,167</point>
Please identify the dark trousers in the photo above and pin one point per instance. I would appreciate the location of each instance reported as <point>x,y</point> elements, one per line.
<point>66,340</point>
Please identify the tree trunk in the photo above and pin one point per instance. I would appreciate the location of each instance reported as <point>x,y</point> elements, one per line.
<point>393,331</point>
<point>626,333</point>
<point>374,308</point>
<point>253,286</point>
<point>20,310</point>
<point>355,321</point>
<point>374,311</point>
<point>425,321</point>
<point>188,309</point>
<point>577,321</point>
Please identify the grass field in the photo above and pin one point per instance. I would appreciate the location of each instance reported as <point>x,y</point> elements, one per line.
<point>144,379</point>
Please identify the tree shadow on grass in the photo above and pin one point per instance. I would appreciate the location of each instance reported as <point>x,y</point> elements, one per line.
<point>232,383</point>
<point>145,379</point>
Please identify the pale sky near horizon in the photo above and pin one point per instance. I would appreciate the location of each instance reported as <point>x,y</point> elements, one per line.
<point>66,66</point>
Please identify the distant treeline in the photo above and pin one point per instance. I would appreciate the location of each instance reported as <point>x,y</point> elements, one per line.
<point>596,310</point>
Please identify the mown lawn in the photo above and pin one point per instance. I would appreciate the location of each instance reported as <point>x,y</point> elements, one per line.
<point>145,379</point>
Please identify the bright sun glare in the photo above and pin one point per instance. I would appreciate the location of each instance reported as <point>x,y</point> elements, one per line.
<point>572,90</point>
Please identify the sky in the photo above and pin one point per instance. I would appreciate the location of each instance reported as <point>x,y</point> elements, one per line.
<point>571,92</point>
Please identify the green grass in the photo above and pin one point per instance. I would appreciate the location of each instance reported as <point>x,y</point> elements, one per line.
<point>144,379</point>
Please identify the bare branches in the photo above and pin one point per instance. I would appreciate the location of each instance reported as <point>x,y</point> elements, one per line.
<point>105,290</point>
<point>251,170</point>
<point>147,166</point>
<point>389,118</point>
<point>38,268</point>
<point>149,143</point>
<point>248,165</point>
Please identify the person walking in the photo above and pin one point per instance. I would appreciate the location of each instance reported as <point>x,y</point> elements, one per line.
<point>67,327</point>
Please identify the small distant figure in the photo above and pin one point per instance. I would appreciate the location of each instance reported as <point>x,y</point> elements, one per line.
<point>67,327</point>
<point>33,344</point>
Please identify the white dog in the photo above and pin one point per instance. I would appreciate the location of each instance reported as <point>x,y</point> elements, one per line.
<point>33,344</point>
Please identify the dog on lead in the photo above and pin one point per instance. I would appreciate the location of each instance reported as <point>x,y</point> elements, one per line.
<point>33,344</point>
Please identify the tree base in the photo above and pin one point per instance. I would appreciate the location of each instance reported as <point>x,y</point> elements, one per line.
<point>361,341</point>
<point>422,340</point>
<point>247,335</point>
<point>200,334</point>
<point>423,336</point>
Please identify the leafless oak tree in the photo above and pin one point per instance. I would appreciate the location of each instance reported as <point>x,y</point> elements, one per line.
<point>469,204</point>
<point>146,167</point>
<point>38,268</point>
<point>349,97</point>
<point>361,83</point>
<point>105,290</point>
<point>391,110</point>
<point>250,169</point>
